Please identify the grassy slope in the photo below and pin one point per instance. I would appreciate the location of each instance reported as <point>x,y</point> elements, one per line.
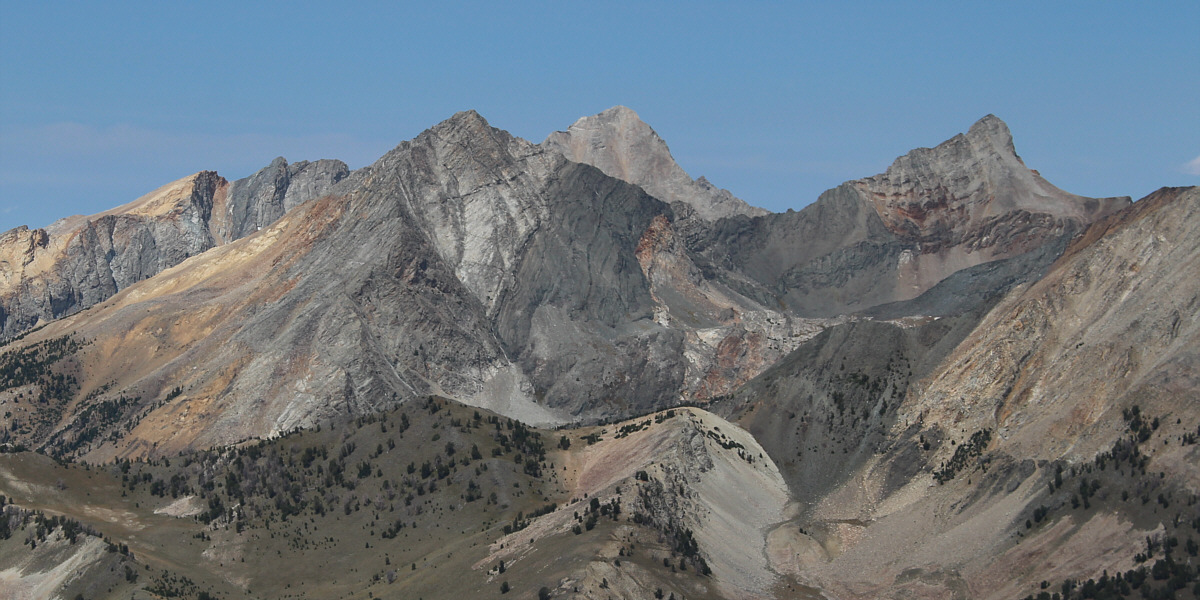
<point>444,546</point>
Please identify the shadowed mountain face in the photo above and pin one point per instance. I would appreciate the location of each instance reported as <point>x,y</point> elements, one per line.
<point>928,376</point>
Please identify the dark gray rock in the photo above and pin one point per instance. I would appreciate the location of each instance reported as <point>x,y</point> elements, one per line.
<point>262,198</point>
<point>830,405</point>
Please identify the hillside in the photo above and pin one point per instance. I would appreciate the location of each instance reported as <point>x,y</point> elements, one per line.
<point>80,261</point>
<point>434,499</point>
<point>1053,441</point>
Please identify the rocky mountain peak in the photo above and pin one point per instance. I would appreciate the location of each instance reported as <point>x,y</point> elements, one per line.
<point>463,120</point>
<point>623,146</point>
<point>465,140</point>
<point>991,130</point>
<point>80,261</point>
<point>468,133</point>
<point>968,180</point>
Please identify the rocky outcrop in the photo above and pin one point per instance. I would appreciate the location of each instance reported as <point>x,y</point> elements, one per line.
<point>698,481</point>
<point>621,145</point>
<point>259,200</point>
<point>80,261</point>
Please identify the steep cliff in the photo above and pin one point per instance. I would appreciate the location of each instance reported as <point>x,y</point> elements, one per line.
<point>79,261</point>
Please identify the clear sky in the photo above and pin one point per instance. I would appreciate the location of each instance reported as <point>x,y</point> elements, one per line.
<point>101,102</point>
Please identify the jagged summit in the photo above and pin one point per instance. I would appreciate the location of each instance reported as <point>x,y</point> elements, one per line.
<point>971,177</point>
<point>621,145</point>
<point>993,128</point>
<point>463,120</point>
<point>894,236</point>
<point>80,261</point>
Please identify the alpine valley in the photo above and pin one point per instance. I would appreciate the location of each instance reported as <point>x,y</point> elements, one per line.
<point>487,368</point>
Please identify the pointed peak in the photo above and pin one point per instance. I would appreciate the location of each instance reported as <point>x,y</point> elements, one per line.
<point>462,120</point>
<point>275,169</point>
<point>622,145</point>
<point>993,131</point>
<point>466,126</point>
<point>989,136</point>
<point>467,117</point>
<point>617,116</point>
<point>990,121</point>
<point>977,174</point>
<point>623,113</point>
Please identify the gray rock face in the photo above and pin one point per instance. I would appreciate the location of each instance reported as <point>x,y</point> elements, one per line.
<point>833,257</point>
<point>830,406</point>
<point>579,316</point>
<point>619,143</point>
<point>546,249</point>
<point>964,191</point>
<point>259,200</point>
<point>81,261</point>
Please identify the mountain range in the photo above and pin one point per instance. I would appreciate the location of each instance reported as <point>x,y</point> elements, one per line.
<point>948,380</point>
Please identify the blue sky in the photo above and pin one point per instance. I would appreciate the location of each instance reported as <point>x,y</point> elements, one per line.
<point>102,102</point>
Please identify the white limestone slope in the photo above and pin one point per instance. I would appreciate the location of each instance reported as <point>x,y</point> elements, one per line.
<point>700,479</point>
